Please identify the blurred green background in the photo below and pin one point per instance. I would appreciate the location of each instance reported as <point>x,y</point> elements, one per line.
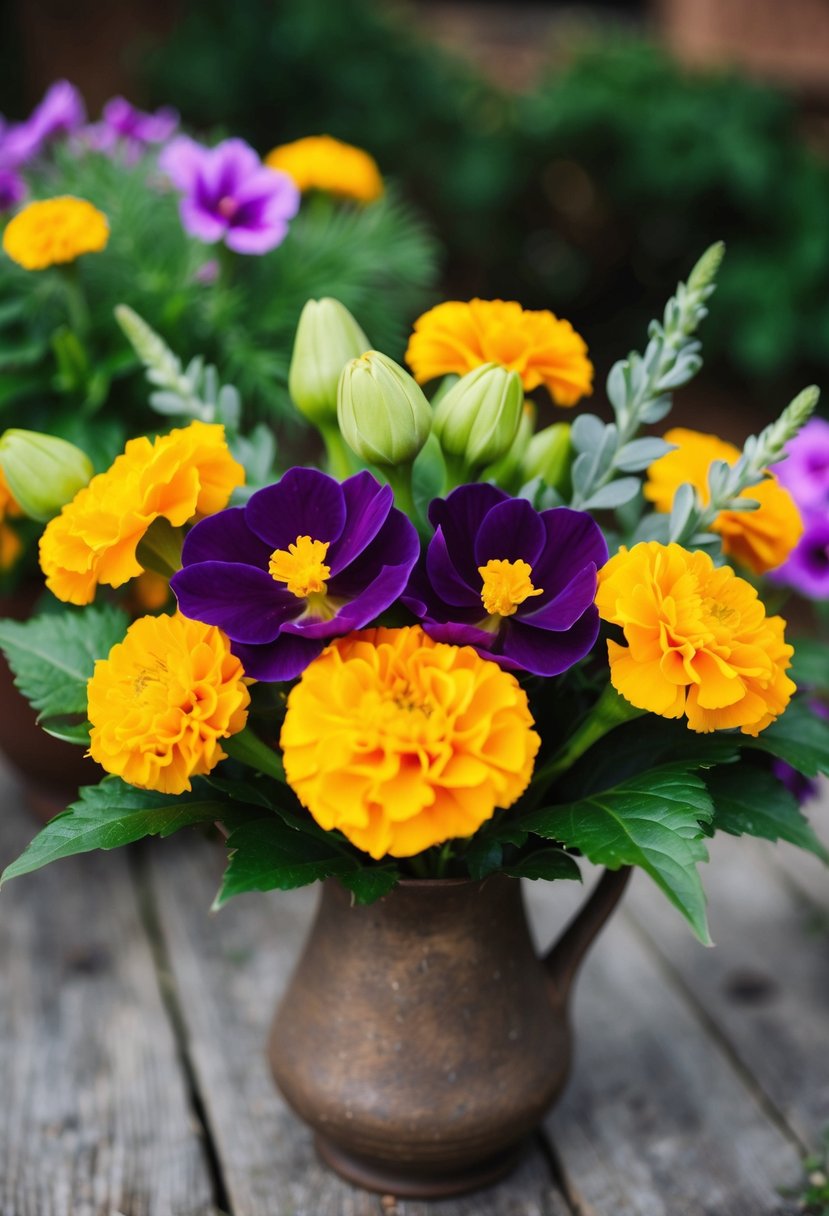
<point>570,158</point>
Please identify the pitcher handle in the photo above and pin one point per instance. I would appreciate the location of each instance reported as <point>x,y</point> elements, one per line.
<point>564,957</point>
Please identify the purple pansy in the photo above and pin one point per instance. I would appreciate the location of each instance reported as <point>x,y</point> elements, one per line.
<point>807,567</point>
<point>59,113</point>
<point>304,561</point>
<point>12,189</point>
<point>229,195</point>
<point>129,130</point>
<point>805,473</point>
<point>515,583</point>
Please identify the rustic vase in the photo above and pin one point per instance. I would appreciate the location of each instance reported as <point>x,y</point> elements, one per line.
<point>422,1038</point>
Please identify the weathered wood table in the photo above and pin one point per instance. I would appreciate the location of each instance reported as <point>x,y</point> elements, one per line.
<point>132,1025</point>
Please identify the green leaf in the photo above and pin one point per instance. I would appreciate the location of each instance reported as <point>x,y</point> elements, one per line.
<point>370,883</point>
<point>52,656</point>
<point>810,664</point>
<point>111,814</point>
<point>484,856</point>
<point>752,802</point>
<point>546,863</point>
<point>652,821</point>
<point>799,736</point>
<point>266,855</point>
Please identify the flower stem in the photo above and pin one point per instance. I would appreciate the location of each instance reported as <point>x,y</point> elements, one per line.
<point>399,478</point>
<point>340,460</point>
<point>610,711</point>
<point>77,308</point>
<point>249,748</point>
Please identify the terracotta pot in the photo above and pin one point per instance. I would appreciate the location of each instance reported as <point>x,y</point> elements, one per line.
<point>422,1038</point>
<point>51,770</point>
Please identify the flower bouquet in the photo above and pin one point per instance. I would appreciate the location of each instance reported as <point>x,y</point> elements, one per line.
<point>481,652</point>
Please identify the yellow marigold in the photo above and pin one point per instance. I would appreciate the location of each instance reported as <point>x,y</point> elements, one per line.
<point>55,230</point>
<point>698,640</point>
<point>11,545</point>
<point>176,477</point>
<point>760,539</point>
<point>320,162</point>
<point>402,742</point>
<point>458,336</point>
<point>162,700</point>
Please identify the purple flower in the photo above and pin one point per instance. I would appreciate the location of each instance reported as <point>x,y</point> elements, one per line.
<point>806,472</point>
<point>802,787</point>
<point>60,112</point>
<point>229,195</point>
<point>125,129</point>
<point>515,583</point>
<point>304,561</point>
<point>12,189</point>
<point>807,567</point>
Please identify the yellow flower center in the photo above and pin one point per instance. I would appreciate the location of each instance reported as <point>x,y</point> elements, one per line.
<point>506,585</point>
<point>301,567</point>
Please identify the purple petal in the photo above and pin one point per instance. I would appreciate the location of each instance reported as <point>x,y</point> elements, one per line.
<point>573,541</point>
<point>252,240</point>
<point>512,531</point>
<point>445,579</point>
<point>243,601</point>
<point>284,659</point>
<point>305,502</point>
<point>182,161</point>
<point>459,634</point>
<point>460,516</point>
<point>225,537</point>
<point>562,612</point>
<point>367,507</point>
<point>543,653</point>
<point>200,223</point>
<point>395,547</point>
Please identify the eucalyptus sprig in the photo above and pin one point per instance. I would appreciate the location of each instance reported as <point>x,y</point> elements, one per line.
<point>639,389</point>
<point>691,519</point>
<point>190,392</point>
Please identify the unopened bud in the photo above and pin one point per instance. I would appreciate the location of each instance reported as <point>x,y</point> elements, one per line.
<point>383,414</point>
<point>548,455</point>
<point>478,419</point>
<point>327,336</point>
<point>43,472</point>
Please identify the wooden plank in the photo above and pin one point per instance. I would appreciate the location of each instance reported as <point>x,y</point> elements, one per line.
<point>656,1120</point>
<point>94,1111</point>
<point>229,970</point>
<point>766,985</point>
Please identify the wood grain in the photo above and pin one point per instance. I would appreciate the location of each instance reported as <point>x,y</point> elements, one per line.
<point>656,1121</point>
<point>233,966</point>
<point>94,1117</point>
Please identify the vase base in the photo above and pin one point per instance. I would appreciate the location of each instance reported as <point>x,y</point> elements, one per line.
<point>407,1182</point>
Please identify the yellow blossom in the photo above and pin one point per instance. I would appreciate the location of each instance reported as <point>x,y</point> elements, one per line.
<point>458,336</point>
<point>11,545</point>
<point>402,742</point>
<point>760,539</point>
<point>162,701</point>
<point>319,162</point>
<point>54,231</point>
<point>699,642</point>
<point>176,477</point>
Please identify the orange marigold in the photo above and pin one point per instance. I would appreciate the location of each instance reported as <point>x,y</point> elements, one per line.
<point>760,539</point>
<point>11,545</point>
<point>53,231</point>
<point>162,700</point>
<point>402,742</point>
<point>175,477</point>
<point>457,337</point>
<point>699,642</point>
<point>320,162</point>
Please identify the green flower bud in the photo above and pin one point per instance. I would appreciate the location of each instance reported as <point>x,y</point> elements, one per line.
<point>548,455</point>
<point>478,419</point>
<point>43,472</point>
<point>327,336</point>
<point>506,472</point>
<point>383,414</point>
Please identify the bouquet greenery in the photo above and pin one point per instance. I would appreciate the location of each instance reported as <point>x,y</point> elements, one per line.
<point>214,248</point>
<point>473,646</point>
